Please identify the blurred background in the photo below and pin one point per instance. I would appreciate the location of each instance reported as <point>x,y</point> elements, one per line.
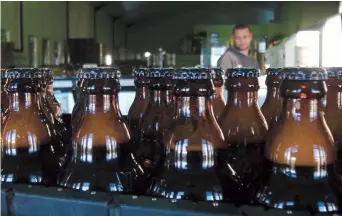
<point>67,36</point>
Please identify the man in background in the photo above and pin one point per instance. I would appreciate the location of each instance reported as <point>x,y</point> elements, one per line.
<point>238,56</point>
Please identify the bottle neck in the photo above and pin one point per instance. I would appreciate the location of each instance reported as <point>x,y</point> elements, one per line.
<point>24,100</point>
<point>160,96</point>
<point>243,99</point>
<point>304,110</point>
<point>142,92</point>
<point>218,92</point>
<point>102,104</point>
<point>273,93</point>
<point>49,89</point>
<point>194,107</point>
<point>334,99</point>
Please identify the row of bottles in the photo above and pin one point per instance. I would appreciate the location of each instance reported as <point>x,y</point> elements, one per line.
<point>182,141</point>
<point>32,147</point>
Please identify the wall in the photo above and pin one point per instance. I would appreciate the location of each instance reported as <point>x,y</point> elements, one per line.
<point>119,34</point>
<point>40,19</point>
<point>49,20</point>
<point>81,16</point>
<point>225,31</point>
<point>290,17</point>
<point>9,19</point>
<point>169,32</point>
<point>104,30</point>
<point>300,15</point>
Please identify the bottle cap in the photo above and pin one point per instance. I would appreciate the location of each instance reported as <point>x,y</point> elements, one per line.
<point>274,71</point>
<point>99,73</point>
<point>219,73</point>
<point>3,71</point>
<point>23,73</point>
<point>160,72</point>
<point>304,74</point>
<point>194,74</point>
<point>334,72</point>
<point>140,72</point>
<point>47,73</point>
<point>242,72</point>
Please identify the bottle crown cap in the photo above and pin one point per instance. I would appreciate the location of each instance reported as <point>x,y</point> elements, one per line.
<point>304,74</point>
<point>242,72</point>
<point>219,73</point>
<point>3,71</point>
<point>160,72</point>
<point>194,74</point>
<point>99,73</point>
<point>141,72</point>
<point>274,71</point>
<point>334,72</point>
<point>23,73</point>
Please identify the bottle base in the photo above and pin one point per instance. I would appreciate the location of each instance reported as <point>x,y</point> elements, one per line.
<point>299,188</point>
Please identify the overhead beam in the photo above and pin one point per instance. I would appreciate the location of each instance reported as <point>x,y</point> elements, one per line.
<point>114,19</point>
<point>99,7</point>
<point>160,18</point>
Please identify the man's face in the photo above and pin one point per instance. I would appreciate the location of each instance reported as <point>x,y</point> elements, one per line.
<point>242,38</point>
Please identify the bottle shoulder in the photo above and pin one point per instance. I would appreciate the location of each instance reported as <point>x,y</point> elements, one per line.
<point>137,108</point>
<point>101,129</point>
<point>195,139</point>
<point>24,129</point>
<point>303,143</point>
<point>249,126</point>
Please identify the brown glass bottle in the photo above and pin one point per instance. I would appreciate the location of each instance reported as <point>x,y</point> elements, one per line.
<point>156,119</point>
<point>80,99</point>
<point>273,103</point>
<point>31,154</point>
<point>244,128</point>
<point>194,144</point>
<point>333,109</point>
<point>55,120</point>
<point>50,97</point>
<point>79,108</point>
<point>102,141</point>
<point>218,99</point>
<point>5,100</point>
<point>139,105</point>
<point>298,172</point>
<point>46,107</point>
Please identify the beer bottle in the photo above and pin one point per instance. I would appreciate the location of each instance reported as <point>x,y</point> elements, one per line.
<point>156,118</point>
<point>244,128</point>
<point>56,121</point>
<point>5,101</point>
<point>194,144</point>
<point>102,141</point>
<point>218,99</point>
<point>333,109</point>
<point>298,170</point>
<point>139,104</point>
<point>50,97</point>
<point>31,154</point>
<point>80,104</point>
<point>273,103</point>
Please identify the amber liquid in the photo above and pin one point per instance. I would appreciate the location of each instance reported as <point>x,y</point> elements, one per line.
<point>101,168</point>
<point>290,188</point>
<point>29,165</point>
<point>246,160</point>
<point>192,175</point>
<point>135,133</point>
<point>150,157</point>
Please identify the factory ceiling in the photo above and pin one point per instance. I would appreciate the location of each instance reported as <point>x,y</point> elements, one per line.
<point>136,12</point>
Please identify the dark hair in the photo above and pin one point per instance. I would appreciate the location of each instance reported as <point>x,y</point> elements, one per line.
<point>240,26</point>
